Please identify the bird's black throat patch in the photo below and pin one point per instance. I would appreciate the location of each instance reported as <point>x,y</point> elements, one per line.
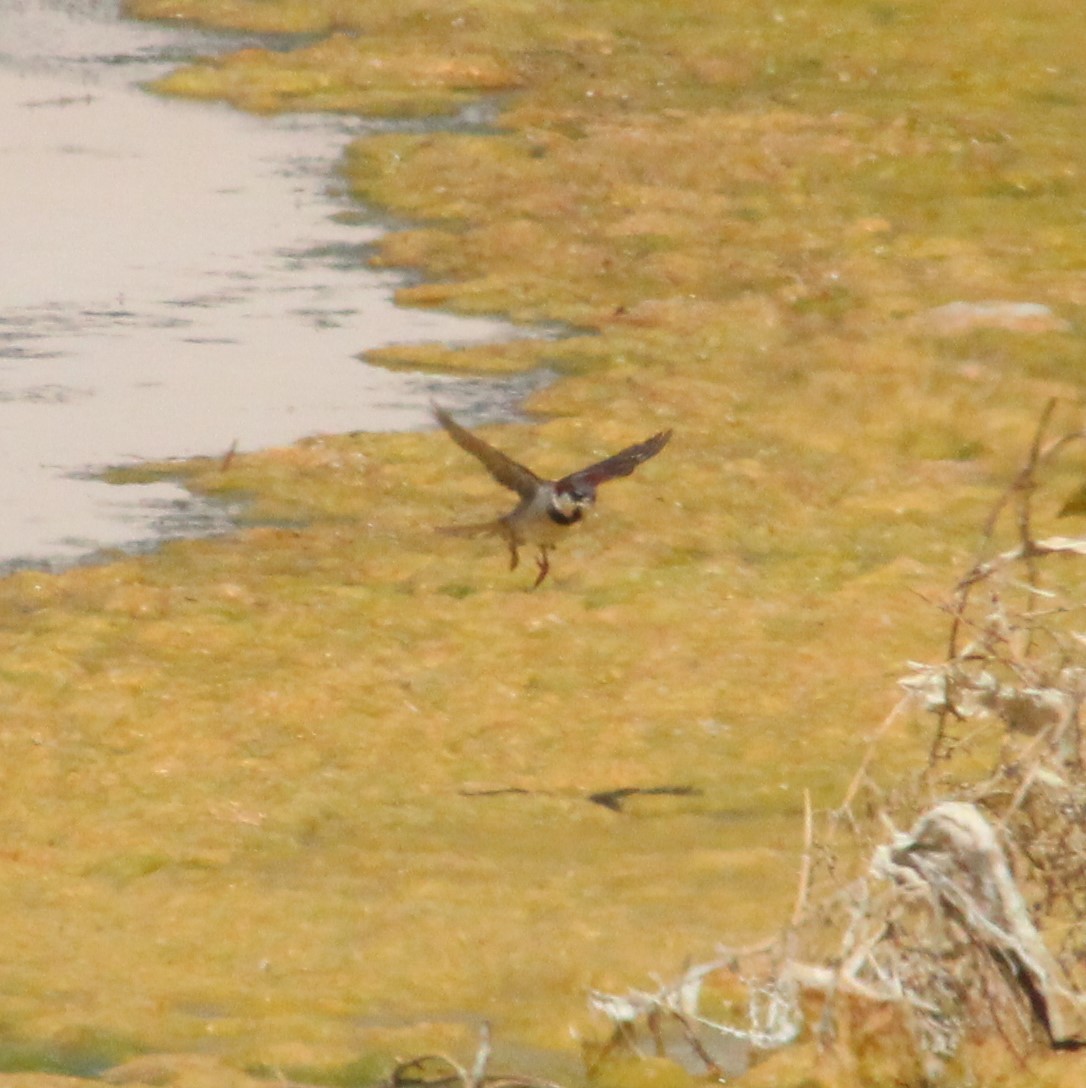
<point>565,519</point>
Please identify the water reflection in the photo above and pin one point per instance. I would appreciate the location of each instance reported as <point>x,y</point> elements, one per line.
<point>177,278</point>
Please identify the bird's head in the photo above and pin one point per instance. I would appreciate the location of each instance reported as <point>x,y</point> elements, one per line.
<point>571,501</point>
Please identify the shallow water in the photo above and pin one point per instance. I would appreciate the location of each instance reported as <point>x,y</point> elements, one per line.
<point>177,278</point>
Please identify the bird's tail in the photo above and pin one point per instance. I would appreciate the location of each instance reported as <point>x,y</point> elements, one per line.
<point>478,529</point>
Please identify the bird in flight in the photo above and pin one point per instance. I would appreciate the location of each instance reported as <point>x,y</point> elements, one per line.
<point>547,508</point>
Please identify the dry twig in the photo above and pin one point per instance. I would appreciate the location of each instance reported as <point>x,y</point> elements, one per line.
<point>948,925</point>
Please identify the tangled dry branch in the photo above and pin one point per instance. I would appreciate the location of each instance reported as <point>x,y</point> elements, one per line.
<point>971,924</point>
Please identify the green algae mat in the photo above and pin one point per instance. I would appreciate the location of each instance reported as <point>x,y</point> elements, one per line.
<point>328,791</point>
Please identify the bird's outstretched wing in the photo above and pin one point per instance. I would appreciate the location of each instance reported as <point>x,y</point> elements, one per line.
<point>619,464</point>
<point>504,469</point>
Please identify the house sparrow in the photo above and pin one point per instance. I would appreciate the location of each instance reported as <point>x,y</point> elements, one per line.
<point>547,508</point>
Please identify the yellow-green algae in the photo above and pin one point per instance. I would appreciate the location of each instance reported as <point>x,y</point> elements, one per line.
<point>249,797</point>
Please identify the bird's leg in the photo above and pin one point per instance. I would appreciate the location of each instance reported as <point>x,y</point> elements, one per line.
<point>544,564</point>
<point>511,543</point>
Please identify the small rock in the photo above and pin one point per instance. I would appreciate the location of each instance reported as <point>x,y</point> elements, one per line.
<point>957,318</point>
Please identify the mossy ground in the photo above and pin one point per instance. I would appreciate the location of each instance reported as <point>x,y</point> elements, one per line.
<point>321,789</point>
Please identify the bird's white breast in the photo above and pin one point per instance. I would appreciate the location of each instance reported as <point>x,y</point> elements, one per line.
<point>532,523</point>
